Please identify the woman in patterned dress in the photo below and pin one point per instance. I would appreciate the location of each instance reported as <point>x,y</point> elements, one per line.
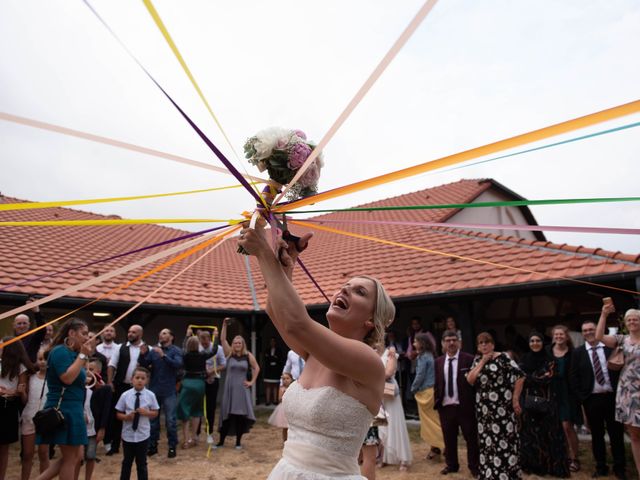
<point>498,381</point>
<point>628,394</point>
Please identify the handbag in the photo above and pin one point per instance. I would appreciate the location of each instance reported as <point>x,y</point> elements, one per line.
<point>537,403</point>
<point>381,419</point>
<point>389,389</point>
<point>615,361</point>
<point>48,420</point>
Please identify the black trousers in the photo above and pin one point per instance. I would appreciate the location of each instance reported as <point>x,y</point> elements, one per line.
<point>134,451</point>
<point>453,418</point>
<point>114,433</point>
<point>211,399</point>
<point>600,411</point>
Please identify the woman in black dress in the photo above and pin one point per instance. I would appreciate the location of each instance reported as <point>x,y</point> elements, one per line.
<point>273,363</point>
<point>498,382</point>
<point>543,449</point>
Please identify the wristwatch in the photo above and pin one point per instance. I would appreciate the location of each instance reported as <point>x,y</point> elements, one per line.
<point>82,356</point>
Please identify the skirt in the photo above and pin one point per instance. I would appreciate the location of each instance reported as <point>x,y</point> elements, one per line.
<point>278,418</point>
<point>191,399</point>
<point>430,429</point>
<point>9,419</point>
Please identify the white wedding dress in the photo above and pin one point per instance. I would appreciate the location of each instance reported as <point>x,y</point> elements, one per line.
<point>326,431</point>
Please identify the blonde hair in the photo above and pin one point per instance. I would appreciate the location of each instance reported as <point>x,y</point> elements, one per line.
<point>566,333</point>
<point>384,312</point>
<point>243,352</point>
<point>631,312</point>
<point>193,344</point>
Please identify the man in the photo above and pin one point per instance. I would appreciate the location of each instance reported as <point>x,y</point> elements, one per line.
<point>455,402</point>
<point>121,366</point>
<point>100,357</point>
<point>294,365</point>
<point>595,386</point>
<point>164,361</point>
<point>108,345</point>
<point>22,324</point>
<point>215,365</point>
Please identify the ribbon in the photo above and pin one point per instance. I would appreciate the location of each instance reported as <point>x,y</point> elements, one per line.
<point>116,143</point>
<point>67,203</point>
<point>505,144</point>
<point>96,262</point>
<point>382,66</point>
<point>462,257</point>
<point>490,226</point>
<point>95,223</point>
<point>200,133</point>
<point>509,203</point>
<point>106,276</point>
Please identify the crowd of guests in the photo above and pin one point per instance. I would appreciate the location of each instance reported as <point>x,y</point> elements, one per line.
<point>517,410</point>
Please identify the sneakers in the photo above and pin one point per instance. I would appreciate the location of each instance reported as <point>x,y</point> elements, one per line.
<point>238,447</point>
<point>210,439</point>
<point>172,453</point>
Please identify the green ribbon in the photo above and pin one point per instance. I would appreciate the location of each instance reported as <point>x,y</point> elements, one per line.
<point>511,203</point>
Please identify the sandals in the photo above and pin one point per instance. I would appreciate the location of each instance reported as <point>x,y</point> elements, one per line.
<point>433,453</point>
<point>188,444</point>
<point>574,465</point>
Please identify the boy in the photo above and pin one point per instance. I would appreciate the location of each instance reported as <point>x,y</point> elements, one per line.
<point>99,398</point>
<point>134,408</point>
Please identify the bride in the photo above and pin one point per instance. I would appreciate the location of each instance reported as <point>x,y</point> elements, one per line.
<point>330,407</point>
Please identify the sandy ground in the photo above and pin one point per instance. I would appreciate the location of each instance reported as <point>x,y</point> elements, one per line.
<point>262,450</point>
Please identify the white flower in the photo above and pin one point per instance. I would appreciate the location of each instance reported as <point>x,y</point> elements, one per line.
<point>493,396</point>
<point>513,460</point>
<point>493,367</point>
<point>488,442</point>
<point>480,428</point>
<point>509,427</point>
<point>484,409</point>
<point>266,141</point>
<point>503,476</point>
<point>496,461</point>
<point>507,395</point>
<point>501,411</point>
<point>495,428</point>
<point>503,444</point>
<point>482,459</point>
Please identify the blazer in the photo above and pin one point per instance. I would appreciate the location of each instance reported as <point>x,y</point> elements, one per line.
<point>466,392</point>
<point>582,378</point>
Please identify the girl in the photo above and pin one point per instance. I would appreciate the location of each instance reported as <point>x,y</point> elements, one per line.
<point>277,418</point>
<point>36,397</point>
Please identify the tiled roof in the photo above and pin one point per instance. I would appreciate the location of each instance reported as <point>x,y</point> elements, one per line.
<point>220,280</point>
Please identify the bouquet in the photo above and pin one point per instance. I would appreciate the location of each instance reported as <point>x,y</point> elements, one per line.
<point>282,152</point>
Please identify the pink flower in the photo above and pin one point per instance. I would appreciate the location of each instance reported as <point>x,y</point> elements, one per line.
<point>311,176</point>
<point>300,134</point>
<point>297,155</point>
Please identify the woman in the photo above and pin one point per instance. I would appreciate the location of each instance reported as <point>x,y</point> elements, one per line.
<point>14,373</point>
<point>498,381</point>
<point>330,407</point>
<point>236,409</point>
<point>568,407</point>
<point>450,324</point>
<point>542,442</point>
<point>66,370</point>
<point>273,362</point>
<point>396,448</point>
<point>35,401</point>
<point>628,394</point>
<point>422,389</point>
<point>190,402</point>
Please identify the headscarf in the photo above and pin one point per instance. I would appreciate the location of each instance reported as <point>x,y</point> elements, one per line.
<point>534,361</point>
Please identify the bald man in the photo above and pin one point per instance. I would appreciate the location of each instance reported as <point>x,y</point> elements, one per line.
<point>22,324</point>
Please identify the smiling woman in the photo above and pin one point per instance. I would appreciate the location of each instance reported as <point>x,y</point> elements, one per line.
<point>330,407</point>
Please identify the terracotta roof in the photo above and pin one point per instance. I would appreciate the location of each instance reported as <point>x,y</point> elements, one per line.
<point>220,280</point>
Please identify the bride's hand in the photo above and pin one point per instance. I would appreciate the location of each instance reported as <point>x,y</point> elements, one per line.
<point>254,240</point>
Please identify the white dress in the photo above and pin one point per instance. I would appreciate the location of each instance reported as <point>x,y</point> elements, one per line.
<point>326,430</point>
<point>394,436</point>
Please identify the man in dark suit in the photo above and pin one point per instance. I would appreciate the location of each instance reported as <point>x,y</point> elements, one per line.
<point>455,402</point>
<point>595,386</point>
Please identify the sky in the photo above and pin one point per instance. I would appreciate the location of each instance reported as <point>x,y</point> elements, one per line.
<point>473,73</point>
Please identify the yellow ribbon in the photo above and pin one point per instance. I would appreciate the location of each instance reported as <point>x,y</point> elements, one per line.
<point>102,223</point>
<point>458,257</point>
<point>66,203</point>
<point>211,327</point>
<point>533,136</point>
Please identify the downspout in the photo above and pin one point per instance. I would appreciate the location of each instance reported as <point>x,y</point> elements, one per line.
<point>256,307</point>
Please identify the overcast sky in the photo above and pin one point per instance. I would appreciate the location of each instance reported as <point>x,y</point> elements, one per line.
<point>474,72</point>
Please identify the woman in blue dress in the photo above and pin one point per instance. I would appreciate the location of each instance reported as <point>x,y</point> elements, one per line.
<point>66,370</point>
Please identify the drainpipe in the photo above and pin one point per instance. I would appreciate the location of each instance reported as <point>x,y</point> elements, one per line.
<point>256,307</point>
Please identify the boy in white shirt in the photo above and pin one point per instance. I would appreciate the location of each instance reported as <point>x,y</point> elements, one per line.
<point>134,408</point>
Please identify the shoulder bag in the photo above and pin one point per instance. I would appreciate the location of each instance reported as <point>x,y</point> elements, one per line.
<point>50,419</point>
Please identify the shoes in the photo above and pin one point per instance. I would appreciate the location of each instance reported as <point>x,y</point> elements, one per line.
<point>447,470</point>
<point>433,453</point>
<point>172,453</point>
<point>475,473</point>
<point>188,444</point>
<point>238,447</point>
<point>112,452</point>
<point>403,467</point>
<point>152,450</point>
<point>210,439</point>
<point>620,475</point>
<point>600,473</point>
<point>219,445</point>
<point>574,465</point>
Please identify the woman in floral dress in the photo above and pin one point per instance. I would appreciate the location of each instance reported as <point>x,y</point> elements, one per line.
<point>628,394</point>
<point>498,381</point>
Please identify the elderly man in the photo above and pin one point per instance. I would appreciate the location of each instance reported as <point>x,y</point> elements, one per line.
<point>164,361</point>
<point>22,324</point>
<point>108,346</point>
<point>121,367</point>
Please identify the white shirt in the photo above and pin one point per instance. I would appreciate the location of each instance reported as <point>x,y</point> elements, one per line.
<point>13,383</point>
<point>294,365</point>
<point>107,349</point>
<point>447,400</point>
<point>134,353</point>
<point>126,405</point>
<point>88,415</point>
<point>597,388</point>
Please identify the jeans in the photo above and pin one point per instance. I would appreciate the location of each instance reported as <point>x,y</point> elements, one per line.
<point>168,405</point>
<point>137,451</point>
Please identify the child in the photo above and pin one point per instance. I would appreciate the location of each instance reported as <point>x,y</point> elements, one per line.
<point>36,397</point>
<point>90,448</point>
<point>277,418</point>
<point>134,409</point>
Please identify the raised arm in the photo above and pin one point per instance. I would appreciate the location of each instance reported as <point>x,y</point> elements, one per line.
<point>226,348</point>
<point>608,340</point>
<point>349,357</point>
<point>392,363</point>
